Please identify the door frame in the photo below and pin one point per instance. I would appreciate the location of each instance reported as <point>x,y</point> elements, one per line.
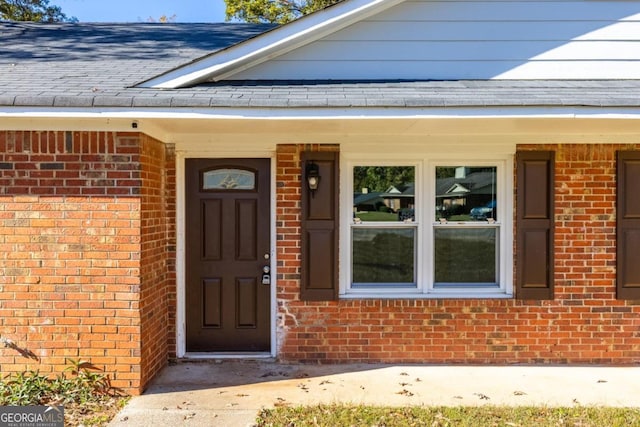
<point>181,314</point>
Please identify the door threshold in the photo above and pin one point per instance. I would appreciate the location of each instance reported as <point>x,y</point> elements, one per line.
<point>228,355</point>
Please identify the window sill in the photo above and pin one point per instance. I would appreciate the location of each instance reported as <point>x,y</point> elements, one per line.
<point>432,295</point>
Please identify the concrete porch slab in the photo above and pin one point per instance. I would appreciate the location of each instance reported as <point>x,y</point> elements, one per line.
<point>231,392</point>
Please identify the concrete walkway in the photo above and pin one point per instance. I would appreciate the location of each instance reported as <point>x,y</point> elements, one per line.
<point>230,393</point>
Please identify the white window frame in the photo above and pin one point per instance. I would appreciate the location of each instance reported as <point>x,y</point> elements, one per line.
<point>425,188</point>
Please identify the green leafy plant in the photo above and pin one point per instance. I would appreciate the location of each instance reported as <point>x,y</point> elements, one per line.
<point>85,393</point>
<point>25,388</point>
<point>86,384</point>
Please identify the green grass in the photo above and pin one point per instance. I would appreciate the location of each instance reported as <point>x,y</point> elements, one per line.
<point>345,415</point>
<point>377,216</point>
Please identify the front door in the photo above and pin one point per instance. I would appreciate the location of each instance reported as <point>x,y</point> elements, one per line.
<point>228,291</point>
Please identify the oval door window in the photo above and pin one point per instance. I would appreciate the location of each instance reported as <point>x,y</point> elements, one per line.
<point>228,179</point>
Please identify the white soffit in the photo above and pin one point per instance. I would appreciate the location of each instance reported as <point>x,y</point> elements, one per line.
<point>227,62</point>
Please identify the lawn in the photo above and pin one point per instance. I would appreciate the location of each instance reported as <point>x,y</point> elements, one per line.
<point>440,416</point>
<point>377,216</point>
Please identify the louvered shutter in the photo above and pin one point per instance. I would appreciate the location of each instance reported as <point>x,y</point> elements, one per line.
<point>319,273</point>
<point>535,225</point>
<point>628,225</point>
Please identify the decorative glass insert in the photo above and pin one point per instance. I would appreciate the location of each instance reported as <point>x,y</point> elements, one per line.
<point>465,256</point>
<point>229,179</point>
<point>465,193</point>
<point>383,193</point>
<point>383,256</point>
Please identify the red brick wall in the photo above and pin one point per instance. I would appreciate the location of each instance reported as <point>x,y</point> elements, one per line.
<point>157,274</point>
<point>288,226</point>
<point>76,220</point>
<point>87,270</point>
<point>583,324</point>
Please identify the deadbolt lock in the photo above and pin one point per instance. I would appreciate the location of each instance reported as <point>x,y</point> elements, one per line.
<point>266,275</point>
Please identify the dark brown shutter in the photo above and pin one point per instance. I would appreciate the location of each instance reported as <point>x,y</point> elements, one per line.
<point>534,226</point>
<point>319,275</point>
<point>628,225</point>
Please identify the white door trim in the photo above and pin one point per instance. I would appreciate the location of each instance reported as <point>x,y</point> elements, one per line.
<point>181,156</point>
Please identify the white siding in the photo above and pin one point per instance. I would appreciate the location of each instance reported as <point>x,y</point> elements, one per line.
<point>451,40</point>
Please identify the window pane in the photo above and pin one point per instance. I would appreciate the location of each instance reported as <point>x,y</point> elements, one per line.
<point>383,255</point>
<point>228,179</point>
<point>384,193</point>
<point>465,255</point>
<point>466,193</point>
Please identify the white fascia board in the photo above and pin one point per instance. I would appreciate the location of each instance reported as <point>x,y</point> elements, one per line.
<point>323,113</point>
<point>223,64</point>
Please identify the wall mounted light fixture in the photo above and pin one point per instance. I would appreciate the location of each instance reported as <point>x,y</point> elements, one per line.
<point>313,177</point>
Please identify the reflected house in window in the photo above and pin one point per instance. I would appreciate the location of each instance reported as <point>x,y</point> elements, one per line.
<point>466,193</point>
<point>400,197</point>
<point>398,200</point>
<point>365,201</point>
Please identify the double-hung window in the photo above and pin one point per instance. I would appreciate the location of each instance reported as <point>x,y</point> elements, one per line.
<point>384,231</point>
<point>427,228</point>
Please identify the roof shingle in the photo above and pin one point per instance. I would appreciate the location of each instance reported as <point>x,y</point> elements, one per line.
<point>99,65</point>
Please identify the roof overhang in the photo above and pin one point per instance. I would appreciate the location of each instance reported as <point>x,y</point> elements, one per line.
<point>518,125</point>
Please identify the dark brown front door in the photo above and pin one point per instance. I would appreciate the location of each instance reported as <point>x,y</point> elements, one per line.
<point>227,251</point>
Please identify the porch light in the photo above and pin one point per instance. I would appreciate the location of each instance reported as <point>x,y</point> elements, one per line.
<point>313,177</point>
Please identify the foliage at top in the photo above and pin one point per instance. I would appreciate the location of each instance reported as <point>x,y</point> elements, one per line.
<point>272,11</point>
<point>163,19</point>
<point>380,178</point>
<point>32,10</point>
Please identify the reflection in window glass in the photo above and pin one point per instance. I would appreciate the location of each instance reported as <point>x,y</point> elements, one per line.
<point>384,193</point>
<point>465,255</point>
<point>228,179</point>
<point>383,256</point>
<point>466,193</point>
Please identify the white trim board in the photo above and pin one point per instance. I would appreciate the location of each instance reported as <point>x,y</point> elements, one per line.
<point>181,345</point>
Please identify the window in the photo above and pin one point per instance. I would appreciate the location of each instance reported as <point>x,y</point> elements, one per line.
<point>383,233</point>
<point>465,235</point>
<point>427,228</point>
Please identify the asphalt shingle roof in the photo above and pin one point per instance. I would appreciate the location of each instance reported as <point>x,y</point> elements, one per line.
<point>98,66</point>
